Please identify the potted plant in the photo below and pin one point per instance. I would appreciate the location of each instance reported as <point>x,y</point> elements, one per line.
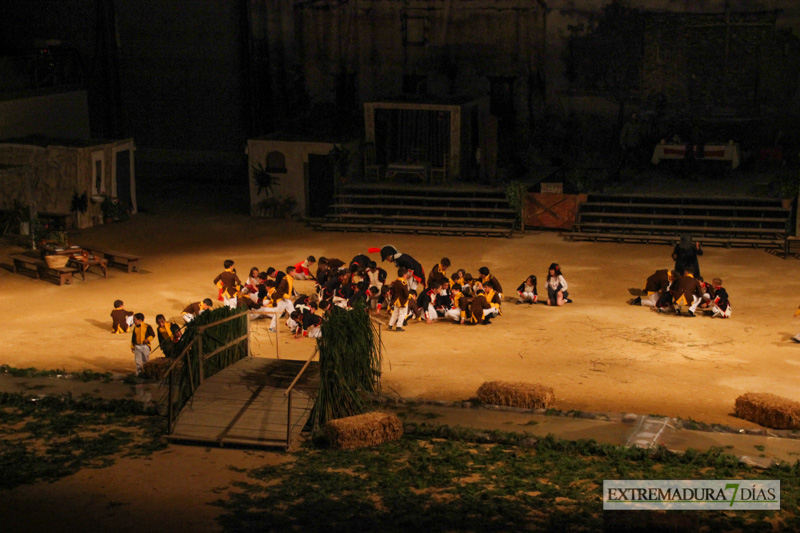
<point>264,180</point>
<point>79,206</point>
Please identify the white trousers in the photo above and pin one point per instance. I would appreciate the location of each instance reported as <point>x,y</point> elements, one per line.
<point>188,317</point>
<point>719,312</point>
<point>453,314</point>
<point>398,316</point>
<point>315,332</point>
<point>432,314</point>
<point>649,300</point>
<point>695,302</point>
<point>228,302</point>
<point>283,305</point>
<point>528,297</point>
<point>141,355</point>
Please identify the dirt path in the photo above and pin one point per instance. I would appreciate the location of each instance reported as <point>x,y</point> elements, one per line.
<point>598,353</point>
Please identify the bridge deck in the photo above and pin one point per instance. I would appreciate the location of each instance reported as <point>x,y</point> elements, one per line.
<point>244,404</point>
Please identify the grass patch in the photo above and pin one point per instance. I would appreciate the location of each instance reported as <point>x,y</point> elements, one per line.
<point>83,375</point>
<point>451,479</point>
<point>49,438</point>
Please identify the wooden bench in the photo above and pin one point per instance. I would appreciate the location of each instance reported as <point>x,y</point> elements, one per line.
<point>39,269</point>
<point>122,260</point>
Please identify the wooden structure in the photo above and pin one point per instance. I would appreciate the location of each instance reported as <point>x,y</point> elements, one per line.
<point>404,209</point>
<point>125,261</point>
<point>38,268</point>
<point>251,401</point>
<point>750,222</point>
<point>248,403</point>
<point>59,168</point>
<point>552,210</point>
<point>456,136</point>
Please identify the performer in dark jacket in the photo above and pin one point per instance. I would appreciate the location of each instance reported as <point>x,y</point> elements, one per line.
<point>685,255</point>
<point>390,253</point>
<point>656,284</point>
<point>688,290</point>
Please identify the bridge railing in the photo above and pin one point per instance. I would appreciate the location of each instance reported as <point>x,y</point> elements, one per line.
<point>210,348</point>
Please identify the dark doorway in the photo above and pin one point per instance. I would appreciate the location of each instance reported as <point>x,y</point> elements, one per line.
<point>320,185</point>
<point>124,177</point>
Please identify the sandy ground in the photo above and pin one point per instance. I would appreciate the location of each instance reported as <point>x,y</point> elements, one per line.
<point>599,353</point>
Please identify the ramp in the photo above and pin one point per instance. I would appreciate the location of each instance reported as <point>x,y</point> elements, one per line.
<point>244,404</point>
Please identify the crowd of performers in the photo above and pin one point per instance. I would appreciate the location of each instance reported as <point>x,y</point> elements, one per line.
<point>410,295</point>
<point>402,292</point>
<point>683,289</point>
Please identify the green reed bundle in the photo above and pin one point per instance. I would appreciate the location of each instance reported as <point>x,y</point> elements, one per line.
<point>187,375</point>
<point>350,365</point>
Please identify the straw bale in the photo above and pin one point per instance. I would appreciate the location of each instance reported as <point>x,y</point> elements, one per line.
<point>156,368</point>
<point>515,394</point>
<point>364,430</point>
<point>768,410</point>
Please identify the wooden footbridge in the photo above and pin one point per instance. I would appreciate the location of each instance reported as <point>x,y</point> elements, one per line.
<point>248,404</point>
<point>218,394</point>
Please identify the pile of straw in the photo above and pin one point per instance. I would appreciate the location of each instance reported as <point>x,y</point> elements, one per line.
<point>525,395</point>
<point>768,410</point>
<point>361,431</point>
<point>156,368</point>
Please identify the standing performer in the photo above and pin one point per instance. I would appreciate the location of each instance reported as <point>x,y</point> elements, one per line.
<point>229,282</point>
<point>416,273</point>
<point>121,319</point>
<point>399,299</point>
<point>142,335</point>
<point>685,255</point>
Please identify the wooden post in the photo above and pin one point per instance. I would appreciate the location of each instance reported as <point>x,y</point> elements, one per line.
<point>289,422</point>
<point>189,365</point>
<point>277,339</point>
<point>249,353</point>
<point>169,406</point>
<point>200,356</point>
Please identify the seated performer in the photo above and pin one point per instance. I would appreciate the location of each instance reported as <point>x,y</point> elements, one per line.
<point>439,271</point>
<point>720,304</point>
<point>527,291</point>
<point>302,270</point>
<point>489,281</point>
<point>482,310</point>
<point>121,319</point>
<point>557,293</point>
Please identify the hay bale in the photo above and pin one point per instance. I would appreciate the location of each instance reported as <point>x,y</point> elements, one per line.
<point>156,368</point>
<point>768,410</point>
<point>362,430</point>
<point>513,394</point>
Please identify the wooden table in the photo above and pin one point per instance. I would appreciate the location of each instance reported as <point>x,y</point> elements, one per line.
<point>711,152</point>
<point>420,170</point>
<point>84,263</point>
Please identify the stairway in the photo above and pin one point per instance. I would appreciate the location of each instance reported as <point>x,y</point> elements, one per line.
<point>432,210</point>
<point>752,222</point>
